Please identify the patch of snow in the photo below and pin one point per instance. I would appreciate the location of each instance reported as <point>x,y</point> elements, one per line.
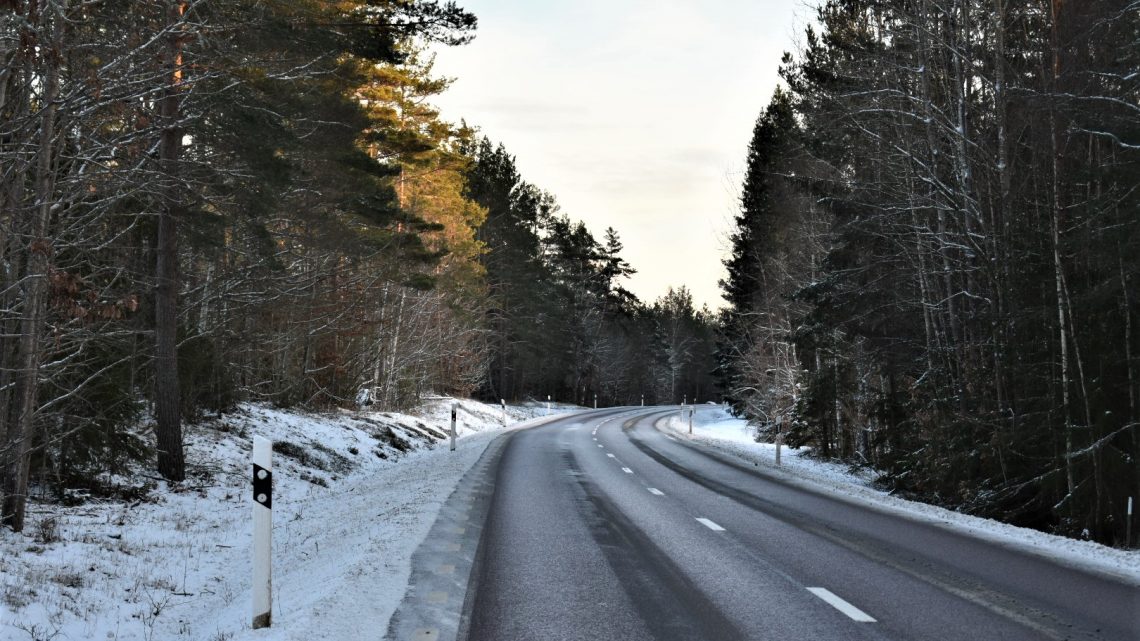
<point>355,493</point>
<point>717,428</point>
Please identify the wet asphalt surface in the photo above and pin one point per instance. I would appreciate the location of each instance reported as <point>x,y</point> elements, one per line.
<point>600,526</point>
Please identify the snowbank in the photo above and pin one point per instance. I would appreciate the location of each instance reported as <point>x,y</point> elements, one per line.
<point>714,426</point>
<point>354,495</point>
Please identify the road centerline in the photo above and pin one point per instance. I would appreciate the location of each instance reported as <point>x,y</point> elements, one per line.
<point>709,524</point>
<point>846,608</point>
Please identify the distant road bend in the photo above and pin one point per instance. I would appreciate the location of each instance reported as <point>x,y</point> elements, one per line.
<point>600,526</point>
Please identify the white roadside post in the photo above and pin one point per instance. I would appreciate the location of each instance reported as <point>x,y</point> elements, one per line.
<point>548,404</point>
<point>643,400</point>
<point>262,532</point>
<point>779,437</point>
<point>692,410</point>
<point>595,401</point>
<point>454,412</point>
<point>1128,525</point>
<point>503,404</point>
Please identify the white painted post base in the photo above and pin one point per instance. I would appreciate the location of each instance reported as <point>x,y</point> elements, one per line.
<point>262,533</point>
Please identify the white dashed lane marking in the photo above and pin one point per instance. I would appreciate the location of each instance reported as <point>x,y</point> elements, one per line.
<point>627,470</point>
<point>851,611</point>
<point>656,491</point>
<point>710,525</point>
<point>610,455</point>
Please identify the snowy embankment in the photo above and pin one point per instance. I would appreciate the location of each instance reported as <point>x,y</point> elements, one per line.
<point>714,426</point>
<point>354,495</point>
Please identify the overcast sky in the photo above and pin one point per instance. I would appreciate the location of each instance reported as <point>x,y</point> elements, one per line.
<point>635,114</point>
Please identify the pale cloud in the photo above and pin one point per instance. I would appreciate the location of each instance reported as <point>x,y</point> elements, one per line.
<point>636,114</point>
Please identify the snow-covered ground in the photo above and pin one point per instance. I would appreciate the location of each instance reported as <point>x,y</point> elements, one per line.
<point>354,495</point>
<point>714,426</point>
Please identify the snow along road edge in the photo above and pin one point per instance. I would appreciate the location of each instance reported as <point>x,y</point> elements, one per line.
<point>370,573</point>
<point>1086,556</point>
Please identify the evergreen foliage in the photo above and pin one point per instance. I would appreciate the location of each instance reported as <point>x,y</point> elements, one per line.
<point>203,203</point>
<point>561,322</point>
<point>958,180</point>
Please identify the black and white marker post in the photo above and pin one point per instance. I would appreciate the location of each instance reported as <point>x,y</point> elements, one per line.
<point>1128,525</point>
<point>262,532</point>
<point>454,412</point>
<point>503,404</point>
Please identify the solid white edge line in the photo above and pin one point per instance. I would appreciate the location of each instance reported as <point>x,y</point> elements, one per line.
<point>851,611</point>
<point>627,470</point>
<point>710,525</point>
<point>656,491</point>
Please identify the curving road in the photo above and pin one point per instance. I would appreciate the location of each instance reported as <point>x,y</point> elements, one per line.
<point>600,526</point>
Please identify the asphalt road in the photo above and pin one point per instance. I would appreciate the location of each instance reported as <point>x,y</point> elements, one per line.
<point>600,526</point>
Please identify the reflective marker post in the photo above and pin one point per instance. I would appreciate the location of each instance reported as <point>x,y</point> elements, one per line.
<point>1128,525</point>
<point>692,410</point>
<point>548,404</point>
<point>262,532</point>
<point>454,411</point>
<point>779,437</point>
<point>595,401</point>
<point>503,403</point>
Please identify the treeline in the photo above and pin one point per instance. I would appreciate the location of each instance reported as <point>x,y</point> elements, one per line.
<point>561,324</point>
<point>934,268</point>
<point>209,202</point>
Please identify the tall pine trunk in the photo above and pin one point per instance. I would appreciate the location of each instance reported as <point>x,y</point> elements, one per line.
<point>167,395</point>
<point>21,425</point>
<point>1058,273</point>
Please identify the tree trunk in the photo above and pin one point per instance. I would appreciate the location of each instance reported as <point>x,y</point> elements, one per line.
<point>167,394</point>
<point>23,402</point>
<point>1058,269</point>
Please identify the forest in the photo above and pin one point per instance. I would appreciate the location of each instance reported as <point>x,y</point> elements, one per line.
<point>208,203</point>
<point>932,272</point>
<point>934,268</point>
